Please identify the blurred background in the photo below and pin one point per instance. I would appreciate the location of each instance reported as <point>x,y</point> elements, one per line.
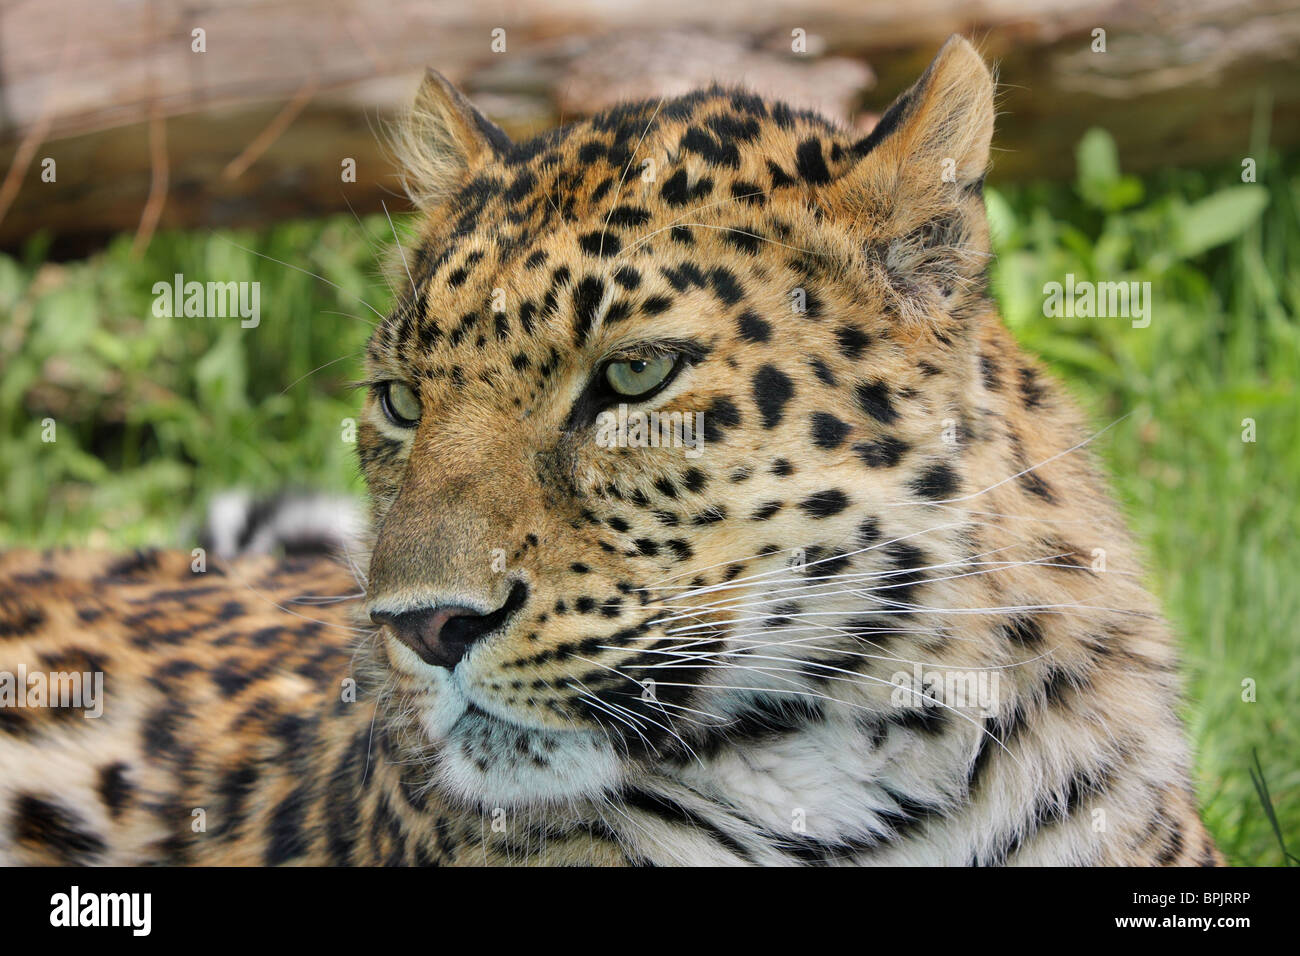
<point>243,141</point>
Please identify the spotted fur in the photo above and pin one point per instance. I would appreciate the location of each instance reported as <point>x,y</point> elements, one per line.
<point>697,658</point>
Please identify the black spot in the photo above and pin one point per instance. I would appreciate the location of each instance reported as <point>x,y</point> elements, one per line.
<point>710,515</point>
<point>868,532</point>
<point>824,504</point>
<point>779,176</point>
<point>823,372</point>
<point>703,144</point>
<point>158,732</point>
<point>18,618</point>
<point>883,453</point>
<point>140,562</point>
<point>772,390</point>
<point>1031,389</point>
<point>627,277</point>
<point>752,328</point>
<point>766,511</point>
<point>55,829</point>
<point>284,832</point>
<point>600,243</point>
<point>876,400</point>
<point>600,191</point>
<point>725,285</point>
<point>810,163</point>
<point>587,297</point>
<point>721,413</point>
<point>665,487</point>
<point>936,482</point>
<point>622,216</point>
<point>989,369</point>
<point>1023,631</point>
<point>694,480</point>
<point>1173,848</point>
<point>747,192</point>
<point>231,676</point>
<point>906,560</point>
<point>1037,486</point>
<point>682,818</point>
<point>527,316</point>
<point>522,185</point>
<point>746,240</point>
<point>729,127</point>
<point>656,304</point>
<point>676,190</point>
<point>680,549</point>
<point>828,431</point>
<point>114,788</point>
<point>852,341</point>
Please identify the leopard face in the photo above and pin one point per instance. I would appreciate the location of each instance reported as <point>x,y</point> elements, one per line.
<point>803,307</point>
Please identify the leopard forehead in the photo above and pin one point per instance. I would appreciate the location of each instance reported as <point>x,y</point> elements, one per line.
<point>653,220</point>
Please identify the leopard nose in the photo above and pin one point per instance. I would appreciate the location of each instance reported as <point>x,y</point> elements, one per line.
<point>443,634</point>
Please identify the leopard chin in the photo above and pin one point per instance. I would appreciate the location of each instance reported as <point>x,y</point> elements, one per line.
<point>491,763</point>
<point>480,755</point>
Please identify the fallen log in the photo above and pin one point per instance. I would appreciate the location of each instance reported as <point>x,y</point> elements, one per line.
<point>139,116</point>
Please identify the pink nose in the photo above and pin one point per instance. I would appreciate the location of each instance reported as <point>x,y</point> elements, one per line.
<point>443,635</point>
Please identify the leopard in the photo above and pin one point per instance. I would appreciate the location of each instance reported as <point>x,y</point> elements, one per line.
<point>865,599</point>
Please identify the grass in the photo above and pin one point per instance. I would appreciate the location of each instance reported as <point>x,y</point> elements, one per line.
<point>151,415</point>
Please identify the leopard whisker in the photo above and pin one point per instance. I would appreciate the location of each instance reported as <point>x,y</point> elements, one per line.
<point>835,700</point>
<point>397,242</point>
<point>1020,474</point>
<point>809,590</point>
<point>289,265</point>
<point>633,680</point>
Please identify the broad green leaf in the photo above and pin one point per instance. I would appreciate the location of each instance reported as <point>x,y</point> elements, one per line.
<point>1218,218</point>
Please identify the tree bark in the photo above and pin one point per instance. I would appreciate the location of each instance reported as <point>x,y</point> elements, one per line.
<point>258,126</point>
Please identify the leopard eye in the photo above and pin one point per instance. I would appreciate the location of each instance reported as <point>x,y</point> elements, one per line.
<point>400,404</point>
<point>636,377</point>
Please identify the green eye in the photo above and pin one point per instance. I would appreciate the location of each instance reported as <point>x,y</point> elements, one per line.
<point>639,376</point>
<point>400,403</point>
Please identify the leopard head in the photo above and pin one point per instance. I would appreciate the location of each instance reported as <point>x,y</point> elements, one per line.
<point>655,436</point>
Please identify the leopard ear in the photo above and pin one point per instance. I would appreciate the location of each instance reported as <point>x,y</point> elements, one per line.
<point>917,185</point>
<point>442,140</point>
